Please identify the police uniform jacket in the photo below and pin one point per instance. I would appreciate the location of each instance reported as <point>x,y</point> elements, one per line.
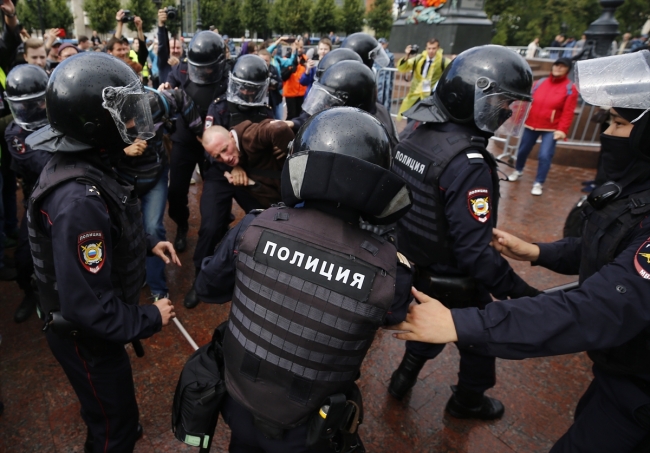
<point>609,310</point>
<point>76,218</point>
<point>26,162</point>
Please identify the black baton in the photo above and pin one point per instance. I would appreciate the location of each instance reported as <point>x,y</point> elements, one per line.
<point>138,348</point>
<point>565,287</point>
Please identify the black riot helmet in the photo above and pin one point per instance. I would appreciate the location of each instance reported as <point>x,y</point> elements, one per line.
<point>347,83</point>
<point>93,100</point>
<point>333,57</point>
<point>485,84</point>
<point>248,83</point>
<point>206,56</point>
<point>368,48</point>
<point>25,93</point>
<point>341,157</point>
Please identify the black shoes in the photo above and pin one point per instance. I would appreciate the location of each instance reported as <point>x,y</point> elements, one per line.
<point>88,444</point>
<point>26,307</point>
<point>191,299</point>
<point>406,375</point>
<point>467,404</point>
<point>180,243</point>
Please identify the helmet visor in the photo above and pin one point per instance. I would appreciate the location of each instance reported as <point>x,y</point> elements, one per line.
<point>493,108</point>
<point>244,92</point>
<point>320,98</point>
<point>379,55</point>
<point>618,81</point>
<point>29,111</point>
<point>206,74</point>
<point>129,107</point>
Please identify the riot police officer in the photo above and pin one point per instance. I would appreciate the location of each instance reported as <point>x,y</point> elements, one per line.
<point>25,94</point>
<point>309,289</point>
<point>369,49</point>
<point>202,76</point>
<point>609,316</point>
<point>88,244</point>
<point>345,83</point>
<point>145,166</point>
<point>246,100</point>
<point>456,191</point>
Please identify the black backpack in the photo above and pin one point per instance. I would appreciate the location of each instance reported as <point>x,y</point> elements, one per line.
<point>199,394</point>
<point>286,72</point>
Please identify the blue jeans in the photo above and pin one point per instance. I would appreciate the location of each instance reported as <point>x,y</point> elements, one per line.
<point>278,112</point>
<point>546,152</point>
<point>153,213</point>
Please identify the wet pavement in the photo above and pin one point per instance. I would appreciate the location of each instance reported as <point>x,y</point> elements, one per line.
<point>42,413</point>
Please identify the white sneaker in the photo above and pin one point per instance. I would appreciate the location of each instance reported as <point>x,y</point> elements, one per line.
<point>515,175</point>
<point>537,189</point>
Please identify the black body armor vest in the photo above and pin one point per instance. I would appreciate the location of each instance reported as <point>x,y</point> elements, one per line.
<point>602,238</point>
<point>129,249</point>
<point>239,114</point>
<point>203,95</point>
<point>421,158</point>
<point>310,293</point>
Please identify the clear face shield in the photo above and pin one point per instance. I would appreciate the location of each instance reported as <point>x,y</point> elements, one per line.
<point>320,98</point>
<point>243,92</point>
<point>129,107</point>
<point>29,111</point>
<point>205,75</point>
<point>618,81</point>
<point>379,55</point>
<point>495,110</point>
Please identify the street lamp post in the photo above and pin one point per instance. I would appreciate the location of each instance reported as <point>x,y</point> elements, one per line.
<point>603,30</point>
<point>199,24</point>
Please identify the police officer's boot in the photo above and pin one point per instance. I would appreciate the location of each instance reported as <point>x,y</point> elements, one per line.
<point>191,299</point>
<point>406,375</point>
<point>88,444</point>
<point>180,243</point>
<point>26,307</point>
<point>469,404</point>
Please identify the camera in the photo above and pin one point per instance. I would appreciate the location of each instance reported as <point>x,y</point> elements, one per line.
<point>172,12</point>
<point>414,49</point>
<point>127,16</point>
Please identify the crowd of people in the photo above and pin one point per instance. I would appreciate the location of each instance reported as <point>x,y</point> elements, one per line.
<point>569,47</point>
<point>346,224</point>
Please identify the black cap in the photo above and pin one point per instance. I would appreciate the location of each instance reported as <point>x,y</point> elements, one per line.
<point>564,61</point>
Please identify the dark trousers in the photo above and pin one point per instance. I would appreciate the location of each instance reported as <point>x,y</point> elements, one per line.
<point>612,415</point>
<point>23,257</point>
<point>8,193</point>
<point>294,106</point>
<point>184,158</point>
<point>216,204</point>
<point>246,438</point>
<point>477,372</point>
<point>104,386</point>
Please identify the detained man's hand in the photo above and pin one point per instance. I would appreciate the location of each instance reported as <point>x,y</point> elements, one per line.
<point>239,176</point>
<point>429,322</point>
<point>162,249</point>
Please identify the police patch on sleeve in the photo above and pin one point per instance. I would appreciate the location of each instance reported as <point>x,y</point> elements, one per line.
<point>208,121</point>
<point>642,260</point>
<point>478,201</point>
<point>90,246</point>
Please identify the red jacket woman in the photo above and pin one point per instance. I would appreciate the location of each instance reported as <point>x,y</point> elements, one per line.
<point>551,115</point>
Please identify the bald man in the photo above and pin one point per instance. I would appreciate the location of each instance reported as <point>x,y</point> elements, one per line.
<point>256,152</point>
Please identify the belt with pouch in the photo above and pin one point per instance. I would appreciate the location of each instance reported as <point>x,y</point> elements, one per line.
<point>453,291</point>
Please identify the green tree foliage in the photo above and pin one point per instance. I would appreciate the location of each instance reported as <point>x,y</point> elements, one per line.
<point>277,16</point>
<point>521,21</point>
<point>380,17</point>
<point>101,14</point>
<point>255,16</point>
<point>632,15</point>
<point>324,16</point>
<point>212,13</point>
<point>297,15</point>
<point>231,23</point>
<point>55,14</point>
<point>352,16</point>
<point>147,11</point>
